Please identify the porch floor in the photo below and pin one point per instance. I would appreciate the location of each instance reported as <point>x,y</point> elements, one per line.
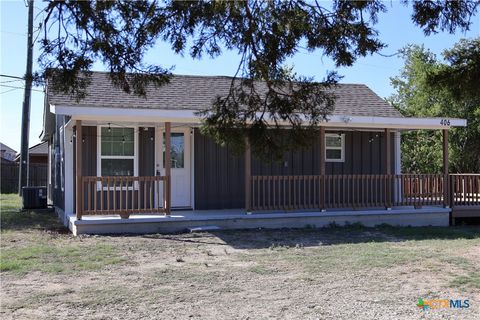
<point>182,220</point>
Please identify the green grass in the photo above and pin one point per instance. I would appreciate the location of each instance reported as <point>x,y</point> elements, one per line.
<point>332,249</point>
<point>471,280</point>
<point>12,217</point>
<point>190,274</point>
<point>50,258</point>
<point>24,249</point>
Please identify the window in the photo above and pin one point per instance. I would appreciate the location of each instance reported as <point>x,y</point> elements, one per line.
<point>117,152</point>
<point>334,147</point>
<point>177,149</point>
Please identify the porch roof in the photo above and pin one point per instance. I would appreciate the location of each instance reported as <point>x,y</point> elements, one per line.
<point>97,115</point>
<point>356,106</point>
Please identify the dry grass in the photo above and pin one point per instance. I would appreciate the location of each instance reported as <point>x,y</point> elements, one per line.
<point>332,273</point>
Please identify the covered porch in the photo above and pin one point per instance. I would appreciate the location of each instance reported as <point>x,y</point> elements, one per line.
<point>268,196</point>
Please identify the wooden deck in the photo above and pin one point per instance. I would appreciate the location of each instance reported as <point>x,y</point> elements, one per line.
<point>125,196</point>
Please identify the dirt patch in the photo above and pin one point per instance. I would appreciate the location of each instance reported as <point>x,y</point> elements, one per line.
<point>287,274</point>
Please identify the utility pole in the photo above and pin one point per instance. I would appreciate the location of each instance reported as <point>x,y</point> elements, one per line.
<point>24,159</point>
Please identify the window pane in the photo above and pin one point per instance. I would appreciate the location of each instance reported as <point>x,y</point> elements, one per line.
<point>128,148</point>
<point>177,149</point>
<point>116,149</point>
<point>334,154</point>
<point>333,141</point>
<point>117,141</point>
<point>117,167</point>
<point>106,148</point>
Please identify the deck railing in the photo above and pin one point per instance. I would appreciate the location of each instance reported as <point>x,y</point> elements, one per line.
<point>465,189</point>
<point>345,191</point>
<point>124,195</point>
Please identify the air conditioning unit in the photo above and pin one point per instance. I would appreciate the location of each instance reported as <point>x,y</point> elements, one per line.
<point>34,197</point>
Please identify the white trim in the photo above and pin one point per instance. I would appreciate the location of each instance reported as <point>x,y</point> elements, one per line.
<point>69,179</point>
<point>398,161</point>
<point>398,153</point>
<point>189,117</point>
<point>192,169</point>
<point>341,148</point>
<point>100,157</point>
<point>187,157</point>
<point>61,132</point>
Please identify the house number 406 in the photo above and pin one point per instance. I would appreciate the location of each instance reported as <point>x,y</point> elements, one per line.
<point>445,122</point>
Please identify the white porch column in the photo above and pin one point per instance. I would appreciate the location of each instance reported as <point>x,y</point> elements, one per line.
<point>398,165</point>
<point>69,163</point>
<point>78,168</point>
<point>398,153</point>
<point>168,163</point>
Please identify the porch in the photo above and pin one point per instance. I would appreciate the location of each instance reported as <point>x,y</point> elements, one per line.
<point>310,199</point>
<point>118,203</point>
<point>188,220</point>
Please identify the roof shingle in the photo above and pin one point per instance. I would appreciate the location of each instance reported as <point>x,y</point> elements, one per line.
<point>198,92</point>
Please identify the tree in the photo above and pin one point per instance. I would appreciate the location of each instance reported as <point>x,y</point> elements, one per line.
<point>264,33</point>
<point>428,87</point>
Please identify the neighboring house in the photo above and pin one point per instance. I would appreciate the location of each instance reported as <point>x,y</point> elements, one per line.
<point>37,171</point>
<point>109,156</point>
<point>38,154</point>
<point>7,153</point>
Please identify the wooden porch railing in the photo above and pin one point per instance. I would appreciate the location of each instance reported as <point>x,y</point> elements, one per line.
<point>124,195</point>
<point>345,191</point>
<point>465,190</point>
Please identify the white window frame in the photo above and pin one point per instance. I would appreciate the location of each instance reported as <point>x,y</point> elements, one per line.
<point>341,148</point>
<point>62,158</point>
<point>100,157</point>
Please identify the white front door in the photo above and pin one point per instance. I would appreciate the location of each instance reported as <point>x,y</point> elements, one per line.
<point>181,165</point>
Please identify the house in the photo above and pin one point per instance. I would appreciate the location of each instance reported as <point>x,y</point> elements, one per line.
<point>37,167</point>
<point>7,153</point>
<point>123,163</point>
<point>38,154</point>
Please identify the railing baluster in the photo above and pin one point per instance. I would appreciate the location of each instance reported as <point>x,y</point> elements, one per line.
<point>151,193</point>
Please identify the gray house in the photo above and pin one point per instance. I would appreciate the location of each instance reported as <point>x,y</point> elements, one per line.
<point>122,163</point>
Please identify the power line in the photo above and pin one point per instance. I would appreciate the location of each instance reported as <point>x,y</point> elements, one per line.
<point>13,87</point>
<point>7,91</point>
<point>10,81</point>
<point>13,77</point>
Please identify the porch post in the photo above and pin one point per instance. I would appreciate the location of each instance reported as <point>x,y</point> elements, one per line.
<point>248,174</point>
<point>168,164</point>
<point>78,169</point>
<point>388,168</point>
<point>446,184</point>
<point>322,168</point>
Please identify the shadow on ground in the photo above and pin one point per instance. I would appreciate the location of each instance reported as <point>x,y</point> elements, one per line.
<point>44,219</point>
<point>267,238</point>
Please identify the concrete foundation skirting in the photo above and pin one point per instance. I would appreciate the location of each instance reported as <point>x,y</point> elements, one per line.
<point>179,223</point>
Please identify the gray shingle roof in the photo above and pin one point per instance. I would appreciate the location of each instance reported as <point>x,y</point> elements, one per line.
<point>197,92</point>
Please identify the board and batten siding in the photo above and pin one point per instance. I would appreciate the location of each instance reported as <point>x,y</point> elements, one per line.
<point>219,174</point>
<point>146,153</point>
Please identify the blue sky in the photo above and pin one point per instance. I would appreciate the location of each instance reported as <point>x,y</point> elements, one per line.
<point>395,28</point>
